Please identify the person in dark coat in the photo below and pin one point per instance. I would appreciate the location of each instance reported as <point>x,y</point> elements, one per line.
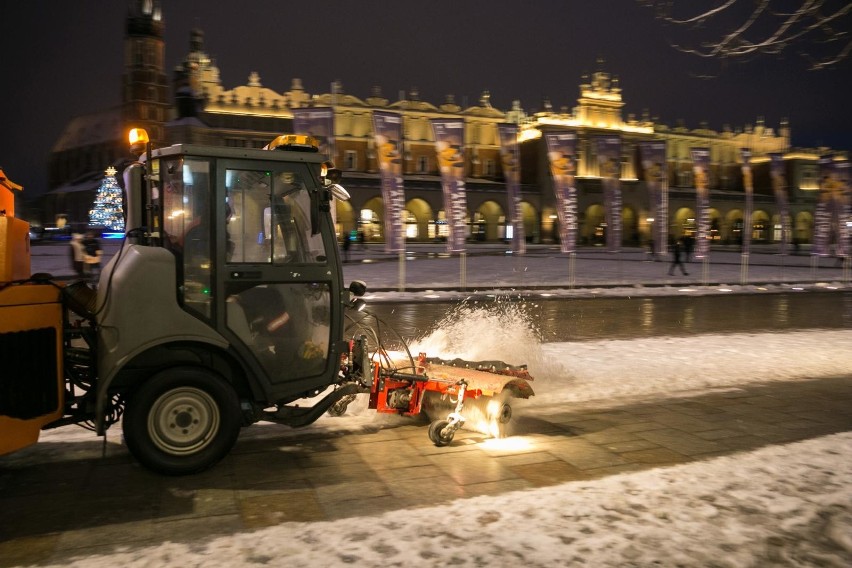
<point>677,252</point>
<point>92,254</point>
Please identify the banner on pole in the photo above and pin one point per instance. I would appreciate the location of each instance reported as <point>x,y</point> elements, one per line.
<point>510,159</point>
<point>562,153</point>
<point>449,147</point>
<point>656,180</point>
<point>701,169</point>
<point>319,123</point>
<point>824,207</point>
<point>844,208</point>
<point>609,166</point>
<point>748,186</point>
<point>387,129</point>
<point>779,188</point>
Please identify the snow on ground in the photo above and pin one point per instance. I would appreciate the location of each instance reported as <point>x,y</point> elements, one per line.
<point>787,505</point>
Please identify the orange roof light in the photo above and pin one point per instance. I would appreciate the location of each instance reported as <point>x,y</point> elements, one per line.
<point>138,139</point>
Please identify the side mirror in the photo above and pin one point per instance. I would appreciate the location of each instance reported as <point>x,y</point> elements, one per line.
<point>338,192</point>
<point>358,288</point>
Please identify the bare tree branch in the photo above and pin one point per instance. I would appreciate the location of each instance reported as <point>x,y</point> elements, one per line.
<point>733,29</point>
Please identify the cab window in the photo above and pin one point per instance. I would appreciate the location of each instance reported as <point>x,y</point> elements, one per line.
<point>269,218</point>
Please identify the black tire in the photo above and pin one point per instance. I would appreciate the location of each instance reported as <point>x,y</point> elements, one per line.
<point>182,420</point>
<point>435,435</point>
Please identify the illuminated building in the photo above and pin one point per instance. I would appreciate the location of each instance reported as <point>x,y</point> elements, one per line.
<point>250,115</point>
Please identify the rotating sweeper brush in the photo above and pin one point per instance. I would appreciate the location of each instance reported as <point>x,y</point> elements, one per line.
<point>452,393</point>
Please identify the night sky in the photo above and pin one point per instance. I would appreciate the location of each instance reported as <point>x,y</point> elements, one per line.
<point>62,59</point>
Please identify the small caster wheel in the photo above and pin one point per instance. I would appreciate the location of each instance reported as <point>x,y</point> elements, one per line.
<point>337,409</point>
<point>436,436</point>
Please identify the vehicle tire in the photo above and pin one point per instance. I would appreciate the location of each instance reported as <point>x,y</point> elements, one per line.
<point>182,420</point>
<point>435,433</point>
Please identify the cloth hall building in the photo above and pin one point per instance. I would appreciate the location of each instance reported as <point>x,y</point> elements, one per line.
<point>194,107</point>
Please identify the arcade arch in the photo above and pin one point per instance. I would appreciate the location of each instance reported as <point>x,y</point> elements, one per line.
<point>418,217</point>
<point>803,228</point>
<point>489,222</point>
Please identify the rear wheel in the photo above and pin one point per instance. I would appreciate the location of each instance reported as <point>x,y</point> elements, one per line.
<point>182,420</point>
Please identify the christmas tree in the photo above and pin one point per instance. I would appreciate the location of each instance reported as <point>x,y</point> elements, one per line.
<point>108,211</point>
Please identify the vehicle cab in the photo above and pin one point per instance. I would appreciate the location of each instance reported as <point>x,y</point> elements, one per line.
<point>232,271</point>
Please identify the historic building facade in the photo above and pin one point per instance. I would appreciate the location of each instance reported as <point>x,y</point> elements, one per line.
<point>203,111</point>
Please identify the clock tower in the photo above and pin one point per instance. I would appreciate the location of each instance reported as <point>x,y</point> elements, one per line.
<point>145,89</point>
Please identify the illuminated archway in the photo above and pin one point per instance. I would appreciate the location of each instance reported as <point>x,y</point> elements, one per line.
<point>804,227</point>
<point>629,226</point>
<point>346,221</point>
<point>531,226</point>
<point>734,229</point>
<point>683,222</point>
<point>594,225</point>
<point>761,228</point>
<point>417,218</point>
<point>489,222</point>
<point>370,219</point>
<point>715,231</point>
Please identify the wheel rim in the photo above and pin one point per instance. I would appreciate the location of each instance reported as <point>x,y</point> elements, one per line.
<point>183,421</point>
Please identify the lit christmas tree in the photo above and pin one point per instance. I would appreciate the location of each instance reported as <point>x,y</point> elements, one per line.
<point>108,211</point>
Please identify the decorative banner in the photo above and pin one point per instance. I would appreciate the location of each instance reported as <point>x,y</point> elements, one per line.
<point>844,214</point>
<point>609,166</point>
<point>387,127</point>
<point>562,153</point>
<point>701,167</point>
<point>449,144</point>
<point>319,123</point>
<point>748,185</point>
<point>824,207</point>
<point>510,158</point>
<point>654,163</point>
<point>779,188</point>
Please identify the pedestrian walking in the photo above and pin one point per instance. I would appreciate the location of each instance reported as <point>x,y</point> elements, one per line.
<point>77,253</point>
<point>677,251</point>
<point>91,254</point>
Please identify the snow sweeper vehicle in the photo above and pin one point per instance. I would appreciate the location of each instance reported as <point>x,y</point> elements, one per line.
<point>224,306</point>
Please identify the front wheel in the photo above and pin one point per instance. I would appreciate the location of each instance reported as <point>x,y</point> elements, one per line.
<point>182,420</point>
<point>436,434</point>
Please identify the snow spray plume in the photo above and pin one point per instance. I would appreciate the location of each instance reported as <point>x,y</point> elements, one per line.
<point>499,329</point>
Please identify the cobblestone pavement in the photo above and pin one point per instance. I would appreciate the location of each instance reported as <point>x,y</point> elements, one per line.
<point>79,496</point>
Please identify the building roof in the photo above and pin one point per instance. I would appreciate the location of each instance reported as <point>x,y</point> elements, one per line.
<point>91,129</point>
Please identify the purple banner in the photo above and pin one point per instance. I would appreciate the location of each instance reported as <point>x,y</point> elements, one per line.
<point>779,188</point>
<point>510,159</point>
<point>824,207</point>
<point>562,153</point>
<point>387,127</point>
<point>609,167</point>
<point>748,186</point>
<point>701,168</point>
<point>449,144</point>
<point>319,123</point>
<point>842,200</point>
<point>656,180</point>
